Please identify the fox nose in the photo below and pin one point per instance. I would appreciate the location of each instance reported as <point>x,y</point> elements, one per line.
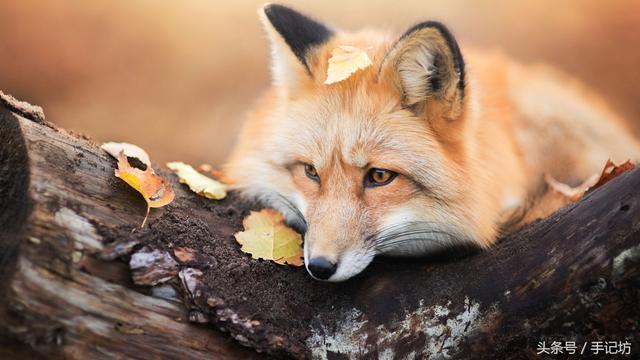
<point>321,268</point>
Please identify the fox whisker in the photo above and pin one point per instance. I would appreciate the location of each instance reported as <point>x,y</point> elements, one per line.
<point>394,229</point>
<point>411,232</point>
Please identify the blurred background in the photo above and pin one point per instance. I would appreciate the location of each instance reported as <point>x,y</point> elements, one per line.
<point>176,77</point>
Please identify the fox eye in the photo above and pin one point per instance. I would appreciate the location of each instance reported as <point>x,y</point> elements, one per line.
<point>379,177</point>
<point>311,172</point>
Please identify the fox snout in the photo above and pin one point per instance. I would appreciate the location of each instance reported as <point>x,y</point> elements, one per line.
<point>334,247</point>
<point>336,267</point>
<point>321,268</point>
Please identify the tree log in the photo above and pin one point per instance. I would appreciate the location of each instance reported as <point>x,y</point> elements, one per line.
<point>58,297</point>
<point>81,279</point>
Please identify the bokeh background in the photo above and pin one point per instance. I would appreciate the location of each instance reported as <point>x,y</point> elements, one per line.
<point>176,77</point>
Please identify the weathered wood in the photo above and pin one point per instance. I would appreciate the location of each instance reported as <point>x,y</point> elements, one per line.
<point>61,300</point>
<point>573,276</point>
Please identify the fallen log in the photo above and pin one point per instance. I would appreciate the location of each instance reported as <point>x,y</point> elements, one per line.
<point>87,282</point>
<point>58,297</point>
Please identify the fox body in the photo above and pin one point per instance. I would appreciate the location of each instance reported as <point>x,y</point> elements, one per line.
<point>416,153</point>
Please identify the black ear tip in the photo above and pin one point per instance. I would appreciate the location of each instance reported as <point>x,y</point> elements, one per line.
<point>300,32</point>
<point>442,28</point>
<point>269,9</point>
<point>277,13</point>
<point>277,7</point>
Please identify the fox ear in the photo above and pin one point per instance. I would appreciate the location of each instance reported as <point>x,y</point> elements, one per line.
<point>428,67</point>
<point>293,36</point>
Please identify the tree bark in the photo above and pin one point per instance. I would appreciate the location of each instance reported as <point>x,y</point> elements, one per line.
<point>67,224</point>
<point>57,296</point>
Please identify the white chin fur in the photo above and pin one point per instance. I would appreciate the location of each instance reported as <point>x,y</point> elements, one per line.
<point>351,264</point>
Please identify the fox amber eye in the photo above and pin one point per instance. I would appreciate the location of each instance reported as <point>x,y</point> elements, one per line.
<point>311,172</point>
<point>379,177</point>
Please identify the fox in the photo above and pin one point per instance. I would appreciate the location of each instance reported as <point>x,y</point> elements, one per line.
<point>420,152</point>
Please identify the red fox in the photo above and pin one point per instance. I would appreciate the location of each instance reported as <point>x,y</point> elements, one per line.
<point>421,151</point>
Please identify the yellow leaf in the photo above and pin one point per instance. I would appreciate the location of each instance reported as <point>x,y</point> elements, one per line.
<point>266,236</point>
<point>198,183</point>
<point>344,61</point>
<point>155,190</point>
<point>130,150</point>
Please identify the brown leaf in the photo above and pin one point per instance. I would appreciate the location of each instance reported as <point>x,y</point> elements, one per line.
<point>611,171</point>
<point>184,255</point>
<point>569,194</point>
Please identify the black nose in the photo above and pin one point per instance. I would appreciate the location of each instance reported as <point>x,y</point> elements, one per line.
<point>321,268</point>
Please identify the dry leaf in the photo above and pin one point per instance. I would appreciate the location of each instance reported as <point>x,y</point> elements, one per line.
<point>184,255</point>
<point>610,171</point>
<point>155,190</point>
<point>344,61</point>
<point>130,150</point>
<point>560,194</point>
<point>568,192</point>
<point>266,236</point>
<point>198,183</point>
<point>216,174</point>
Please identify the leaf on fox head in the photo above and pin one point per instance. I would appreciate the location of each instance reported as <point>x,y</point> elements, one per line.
<point>155,190</point>
<point>346,60</point>
<point>198,183</point>
<point>267,237</point>
<point>130,151</point>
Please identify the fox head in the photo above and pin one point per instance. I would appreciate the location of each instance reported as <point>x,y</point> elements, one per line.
<point>378,163</point>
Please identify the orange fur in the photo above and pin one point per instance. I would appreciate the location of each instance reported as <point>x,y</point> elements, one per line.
<point>461,167</point>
